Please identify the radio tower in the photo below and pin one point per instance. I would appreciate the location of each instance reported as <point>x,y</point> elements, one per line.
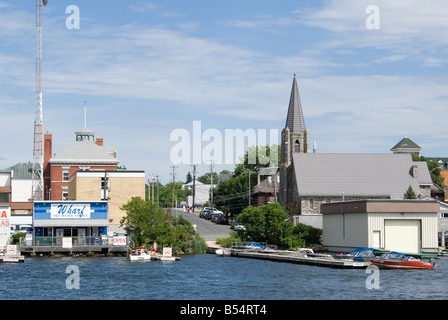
<point>38,159</point>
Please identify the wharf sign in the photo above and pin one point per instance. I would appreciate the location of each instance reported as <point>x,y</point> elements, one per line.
<point>70,211</point>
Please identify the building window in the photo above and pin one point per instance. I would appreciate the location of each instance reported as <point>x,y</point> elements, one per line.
<point>4,197</point>
<point>64,194</point>
<point>311,204</point>
<point>64,174</point>
<point>297,146</point>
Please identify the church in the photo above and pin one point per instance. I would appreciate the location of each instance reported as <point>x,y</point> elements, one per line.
<point>308,180</point>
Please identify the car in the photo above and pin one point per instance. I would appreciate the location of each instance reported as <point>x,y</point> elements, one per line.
<point>239,226</point>
<point>222,219</point>
<point>204,212</point>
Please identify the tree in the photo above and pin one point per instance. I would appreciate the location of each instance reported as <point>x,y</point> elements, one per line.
<point>148,223</point>
<point>257,157</point>
<point>233,194</point>
<point>189,178</point>
<point>410,194</point>
<point>268,224</point>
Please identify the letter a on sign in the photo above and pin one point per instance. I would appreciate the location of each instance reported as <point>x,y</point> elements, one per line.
<point>4,215</point>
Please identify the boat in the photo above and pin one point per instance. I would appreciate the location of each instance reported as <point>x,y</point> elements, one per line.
<point>222,252</point>
<point>166,256</point>
<point>395,259</point>
<point>266,250</point>
<point>140,254</point>
<point>249,246</point>
<point>359,254</point>
<point>309,253</point>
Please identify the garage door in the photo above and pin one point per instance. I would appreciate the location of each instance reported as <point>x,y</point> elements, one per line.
<point>402,235</point>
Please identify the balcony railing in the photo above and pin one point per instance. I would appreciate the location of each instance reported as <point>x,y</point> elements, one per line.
<point>80,243</point>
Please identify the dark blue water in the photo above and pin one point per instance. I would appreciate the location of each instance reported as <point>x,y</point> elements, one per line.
<point>208,277</point>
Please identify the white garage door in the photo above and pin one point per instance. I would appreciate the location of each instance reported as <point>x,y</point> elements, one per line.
<point>402,235</point>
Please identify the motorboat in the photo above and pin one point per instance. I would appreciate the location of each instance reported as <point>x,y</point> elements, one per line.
<point>223,252</point>
<point>395,259</point>
<point>140,254</point>
<point>249,246</point>
<point>359,254</point>
<point>266,250</point>
<point>309,253</point>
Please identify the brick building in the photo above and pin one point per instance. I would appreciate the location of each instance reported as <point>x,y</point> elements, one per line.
<point>85,153</point>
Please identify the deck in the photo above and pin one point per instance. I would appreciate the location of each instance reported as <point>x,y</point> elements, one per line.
<point>291,258</point>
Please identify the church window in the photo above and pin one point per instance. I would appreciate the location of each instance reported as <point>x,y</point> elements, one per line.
<point>297,146</point>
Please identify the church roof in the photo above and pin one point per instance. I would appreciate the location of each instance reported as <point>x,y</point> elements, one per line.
<point>295,120</point>
<point>375,175</point>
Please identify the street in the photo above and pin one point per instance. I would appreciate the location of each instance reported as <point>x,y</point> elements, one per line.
<point>207,229</point>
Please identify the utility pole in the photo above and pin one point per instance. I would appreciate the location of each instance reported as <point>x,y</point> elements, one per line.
<point>174,174</point>
<point>248,189</point>
<point>211,185</point>
<point>157,183</point>
<point>194,186</point>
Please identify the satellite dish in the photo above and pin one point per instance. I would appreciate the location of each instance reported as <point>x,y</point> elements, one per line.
<point>45,2</point>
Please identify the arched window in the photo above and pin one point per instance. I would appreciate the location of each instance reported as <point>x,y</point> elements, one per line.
<point>297,146</point>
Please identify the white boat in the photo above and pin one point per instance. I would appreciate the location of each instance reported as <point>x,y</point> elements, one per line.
<point>309,253</point>
<point>140,254</point>
<point>222,252</point>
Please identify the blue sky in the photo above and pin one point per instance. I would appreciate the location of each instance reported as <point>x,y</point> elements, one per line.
<point>147,68</point>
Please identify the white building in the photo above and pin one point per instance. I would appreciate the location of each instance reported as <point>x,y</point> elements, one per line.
<point>16,190</point>
<point>202,192</point>
<point>408,226</point>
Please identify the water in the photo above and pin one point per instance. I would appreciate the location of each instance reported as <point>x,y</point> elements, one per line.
<point>208,277</point>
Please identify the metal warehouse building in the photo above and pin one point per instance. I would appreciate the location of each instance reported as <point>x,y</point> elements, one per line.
<point>408,226</point>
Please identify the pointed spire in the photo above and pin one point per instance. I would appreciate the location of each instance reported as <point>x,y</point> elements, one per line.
<point>295,121</point>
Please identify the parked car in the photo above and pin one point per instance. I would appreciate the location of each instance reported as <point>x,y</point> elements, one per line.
<point>239,226</point>
<point>204,212</point>
<point>222,219</point>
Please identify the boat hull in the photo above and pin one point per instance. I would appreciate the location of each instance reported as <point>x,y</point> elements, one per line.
<point>402,264</point>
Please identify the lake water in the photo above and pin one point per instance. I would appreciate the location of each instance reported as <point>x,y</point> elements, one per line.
<point>208,277</point>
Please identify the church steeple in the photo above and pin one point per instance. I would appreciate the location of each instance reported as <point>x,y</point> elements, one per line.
<point>295,120</point>
<point>294,140</point>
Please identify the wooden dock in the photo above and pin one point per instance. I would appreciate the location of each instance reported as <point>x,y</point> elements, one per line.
<point>294,258</point>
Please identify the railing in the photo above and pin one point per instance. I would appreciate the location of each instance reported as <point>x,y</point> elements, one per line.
<point>52,241</point>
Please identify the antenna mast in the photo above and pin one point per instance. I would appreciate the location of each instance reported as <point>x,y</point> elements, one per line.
<point>38,160</point>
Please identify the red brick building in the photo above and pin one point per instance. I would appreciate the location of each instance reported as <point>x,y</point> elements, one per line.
<point>85,153</point>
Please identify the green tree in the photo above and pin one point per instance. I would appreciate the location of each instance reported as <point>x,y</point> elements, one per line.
<point>268,224</point>
<point>257,157</point>
<point>189,178</point>
<point>148,223</point>
<point>233,194</point>
<point>410,194</point>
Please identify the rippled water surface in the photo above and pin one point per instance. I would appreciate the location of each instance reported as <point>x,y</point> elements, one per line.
<point>208,277</point>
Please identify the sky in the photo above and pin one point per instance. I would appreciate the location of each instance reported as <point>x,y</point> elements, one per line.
<point>139,73</point>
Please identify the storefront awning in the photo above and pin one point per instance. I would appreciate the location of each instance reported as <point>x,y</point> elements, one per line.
<point>71,223</point>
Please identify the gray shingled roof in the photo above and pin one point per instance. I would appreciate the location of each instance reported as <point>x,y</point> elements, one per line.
<point>406,143</point>
<point>320,174</point>
<point>295,120</point>
<point>86,151</point>
<point>21,170</point>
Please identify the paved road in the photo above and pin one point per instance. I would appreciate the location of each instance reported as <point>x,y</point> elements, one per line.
<point>207,229</point>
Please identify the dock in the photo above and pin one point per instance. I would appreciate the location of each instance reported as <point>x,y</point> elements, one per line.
<point>291,258</point>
